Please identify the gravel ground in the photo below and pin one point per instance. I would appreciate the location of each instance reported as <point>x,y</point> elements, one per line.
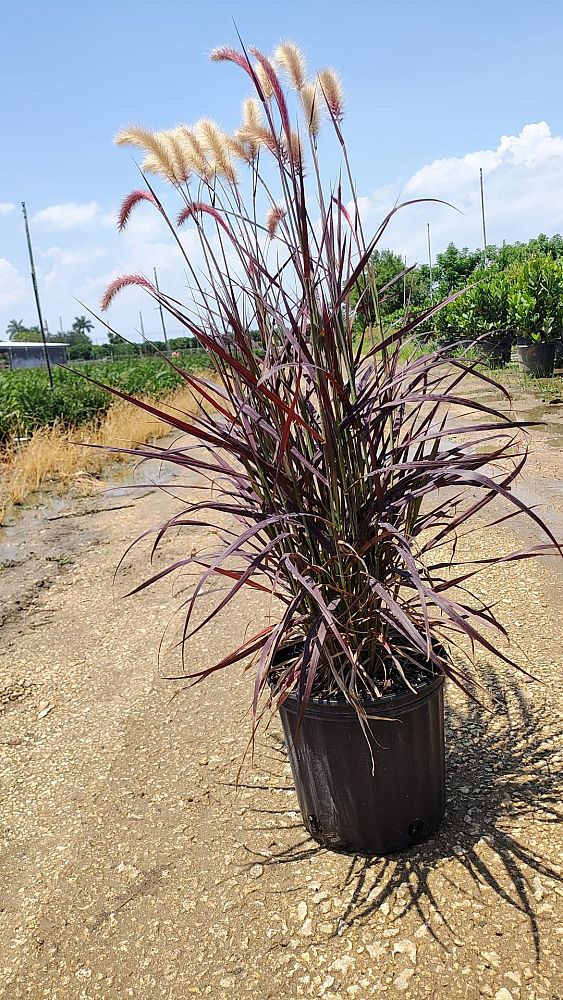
<point>134,867</point>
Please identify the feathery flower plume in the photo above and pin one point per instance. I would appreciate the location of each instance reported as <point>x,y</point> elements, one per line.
<point>251,131</point>
<point>263,80</point>
<point>256,137</point>
<point>194,152</point>
<point>200,207</point>
<point>128,205</point>
<point>276,86</point>
<point>177,153</point>
<point>332,91</point>
<point>216,141</point>
<point>242,147</point>
<point>311,101</point>
<point>155,145</point>
<point>290,57</point>
<point>251,113</point>
<point>151,165</point>
<point>273,219</point>
<point>225,53</point>
<point>123,282</point>
<point>135,135</point>
<point>295,150</point>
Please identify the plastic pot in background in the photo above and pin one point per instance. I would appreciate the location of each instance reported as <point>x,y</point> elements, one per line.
<point>460,346</point>
<point>496,349</point>
<point>351,803</point>
<point>537,360</point>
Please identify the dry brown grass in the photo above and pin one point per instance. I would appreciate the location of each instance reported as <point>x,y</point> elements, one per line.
<point>53,455</point>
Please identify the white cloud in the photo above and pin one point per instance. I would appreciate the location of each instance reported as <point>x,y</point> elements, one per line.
<point>6,207</point>
<point>523,193</point>
<point>12,285</point>
<point>68,215</point>
<point>523,196</point>
<point>72,257</point>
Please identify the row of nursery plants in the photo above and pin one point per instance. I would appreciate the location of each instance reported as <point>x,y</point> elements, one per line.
<point>522,305</point>
<point>342,479</point>
<point>28,403</point>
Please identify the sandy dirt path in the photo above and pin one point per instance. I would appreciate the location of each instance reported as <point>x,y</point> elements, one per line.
<point>133,867</point>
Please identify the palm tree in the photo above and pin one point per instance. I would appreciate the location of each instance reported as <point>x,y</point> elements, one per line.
<point>82,326</point>
<point>15,326</point>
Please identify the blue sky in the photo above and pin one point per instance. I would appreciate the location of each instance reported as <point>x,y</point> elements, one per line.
<point>431,90</point>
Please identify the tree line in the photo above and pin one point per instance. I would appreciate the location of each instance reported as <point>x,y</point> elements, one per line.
<point>415,288</point>
<point>401,290</point>
<point>81,347</point>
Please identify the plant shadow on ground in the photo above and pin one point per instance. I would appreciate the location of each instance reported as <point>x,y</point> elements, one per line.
<point>500,766</point>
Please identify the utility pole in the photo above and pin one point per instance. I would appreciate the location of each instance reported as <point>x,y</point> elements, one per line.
<point>36,292</point>
<point>483,218</point>
<point>161,313</point>
<point>430,264</point>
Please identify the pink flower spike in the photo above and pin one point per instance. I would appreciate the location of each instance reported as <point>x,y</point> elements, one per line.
<point>123,282</point>
<point>276,87</point>
<point>201,206</point>
<point>224,53</point>
<point>129,204</point>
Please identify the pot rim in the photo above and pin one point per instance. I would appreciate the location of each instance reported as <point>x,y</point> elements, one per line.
<point>387,705</point>
<point>534,345</point>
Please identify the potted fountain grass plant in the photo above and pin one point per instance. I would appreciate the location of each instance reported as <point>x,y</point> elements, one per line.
<point>338,460</point>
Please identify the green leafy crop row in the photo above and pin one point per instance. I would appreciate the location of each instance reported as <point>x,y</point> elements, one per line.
<point>27,402</point>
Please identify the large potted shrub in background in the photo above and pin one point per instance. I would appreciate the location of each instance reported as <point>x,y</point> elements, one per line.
<point>478,319</point>
<point>535,306</point>
<point>487,302</point>
<point>340,464</point>
<point>453,324</point>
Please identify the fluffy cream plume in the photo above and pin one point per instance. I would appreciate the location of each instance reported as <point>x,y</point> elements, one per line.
<point>251,113</point>
<point>177,153</point>
<point>290,58</point>
<point>194,152</point>
<point>252,130</point>
<point>273,219</point>
<point>255,137</point>
<point>160,154</point>
<point>311,98</point>
<point>332,91</point>
<point>135,135</point>
<point>263,79</point>
<point>242,148</point>
<point>295,150</point>
<point>151,165</point>
<point>214,140</point>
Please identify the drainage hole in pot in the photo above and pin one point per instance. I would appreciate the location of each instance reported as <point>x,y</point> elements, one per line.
<point>315,825</point>
<point>416,828</point>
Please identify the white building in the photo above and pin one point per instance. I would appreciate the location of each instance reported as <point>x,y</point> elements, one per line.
<point>23,354</point>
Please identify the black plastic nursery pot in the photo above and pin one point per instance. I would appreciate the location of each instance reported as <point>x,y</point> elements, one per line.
<point>537,360</point>
<point>496,349</point>
<point>352,804</point>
